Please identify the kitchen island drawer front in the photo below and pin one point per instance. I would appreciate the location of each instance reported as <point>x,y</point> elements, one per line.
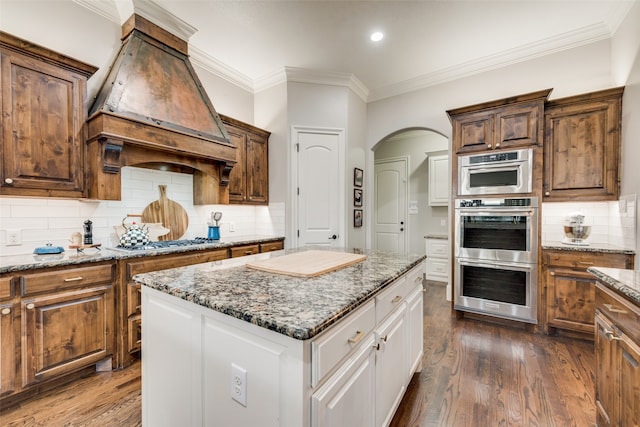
<point>584,260</point>
<point>273,246</point>
<point>390,298</point>
<point>156,263</point>
<point>329,349</point>
<point>244,250</point>
<point>63,279</point>
<point>134,298</point>
<point>5,287</point>
<point>624,314</point>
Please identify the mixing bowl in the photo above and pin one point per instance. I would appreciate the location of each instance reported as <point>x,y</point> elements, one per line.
<point>577,232</point>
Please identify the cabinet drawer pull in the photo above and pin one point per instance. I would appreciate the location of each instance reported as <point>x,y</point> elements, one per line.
<point>248,252</point>
<point>418,279</point>
<point>397,299</point>
<point>356,338</point>
<point>384,338</point>
<point>586,262</point>
<point>612,309</point>
<point>6,310</point>
<point>30,306</point>
<point>611,335</point>
<point>74,279</point>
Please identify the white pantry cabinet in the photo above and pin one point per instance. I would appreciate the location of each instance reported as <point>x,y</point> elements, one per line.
<point>439,180</point>
<point>352,374</point>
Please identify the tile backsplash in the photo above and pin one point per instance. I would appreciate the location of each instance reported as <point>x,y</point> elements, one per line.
<point>612,222</point>
<point>44,220</point>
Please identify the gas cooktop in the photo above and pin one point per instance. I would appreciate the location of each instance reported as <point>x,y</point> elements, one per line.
<point>165,244</point>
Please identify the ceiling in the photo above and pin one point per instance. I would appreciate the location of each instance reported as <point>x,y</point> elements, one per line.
<point>425,43</point>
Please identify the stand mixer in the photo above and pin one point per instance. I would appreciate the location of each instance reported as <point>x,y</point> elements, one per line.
<point>576,233</point>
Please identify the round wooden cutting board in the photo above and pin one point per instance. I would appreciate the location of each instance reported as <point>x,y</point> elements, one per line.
<point>171,214</point>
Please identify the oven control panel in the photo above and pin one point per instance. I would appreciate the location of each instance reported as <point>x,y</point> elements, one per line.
<point>477,203</point>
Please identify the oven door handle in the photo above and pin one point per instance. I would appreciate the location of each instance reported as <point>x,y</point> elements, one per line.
<point>495,211</point>
<point>504,166</point>
<point>496,264</point>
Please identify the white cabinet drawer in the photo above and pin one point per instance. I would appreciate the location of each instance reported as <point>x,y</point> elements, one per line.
<point>438,269</point>
<point>328,349</point>
<point>391,297</point>
<point>437,248</point>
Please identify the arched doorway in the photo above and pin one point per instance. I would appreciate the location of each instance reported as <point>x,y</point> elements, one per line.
<point>402,216</point>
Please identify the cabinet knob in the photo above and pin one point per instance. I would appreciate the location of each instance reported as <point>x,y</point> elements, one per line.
<point>488,145</point>
<point>497,144</point>
<point>30,306</point>
<point>6,311</point>
<point>546,193</point>
<point>8,180</point>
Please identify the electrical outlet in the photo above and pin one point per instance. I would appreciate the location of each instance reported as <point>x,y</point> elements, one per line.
<point>14,237</point>
<point>232,227</point>
<point>239,384</point>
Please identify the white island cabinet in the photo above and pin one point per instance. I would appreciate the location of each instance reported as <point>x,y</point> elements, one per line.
<point>237,347</point>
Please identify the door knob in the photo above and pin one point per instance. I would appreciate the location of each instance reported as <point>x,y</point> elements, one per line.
<point>402,229</point>
<point>334,237</point>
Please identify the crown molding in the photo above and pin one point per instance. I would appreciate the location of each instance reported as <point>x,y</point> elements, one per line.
<point>105,8</point>
<point>164,19</point>
<point>568,40</point>
<point>301,75</point>
<point>220,69</point>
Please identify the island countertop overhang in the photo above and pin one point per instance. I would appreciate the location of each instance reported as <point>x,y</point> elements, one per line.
<point>296,307</point>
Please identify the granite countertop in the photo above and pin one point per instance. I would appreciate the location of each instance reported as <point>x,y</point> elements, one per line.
<point>595,247</point>
<point>297,307</point>
<point>624,282</point>
<point>72,257</point>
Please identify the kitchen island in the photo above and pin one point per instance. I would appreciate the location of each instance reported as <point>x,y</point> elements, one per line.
<point>228,345</point>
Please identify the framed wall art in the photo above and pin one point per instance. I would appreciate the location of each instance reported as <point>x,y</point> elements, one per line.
<point>357,217</point>
<point>358,177</point>
<point>357,197</point>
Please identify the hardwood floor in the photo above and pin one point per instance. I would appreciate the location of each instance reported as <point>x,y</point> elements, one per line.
<point>480,374</point>
<point>474,374</point>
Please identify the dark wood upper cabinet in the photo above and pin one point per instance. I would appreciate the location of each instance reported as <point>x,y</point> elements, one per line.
<point>43,112</point>
<point>582,147</point>
<point>501,124</point>
<point>249,178</point>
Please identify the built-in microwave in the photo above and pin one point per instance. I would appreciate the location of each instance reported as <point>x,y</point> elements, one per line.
<point>504,172</point>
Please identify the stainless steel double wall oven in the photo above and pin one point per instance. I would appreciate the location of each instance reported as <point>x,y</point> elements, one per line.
<point>496,256</point>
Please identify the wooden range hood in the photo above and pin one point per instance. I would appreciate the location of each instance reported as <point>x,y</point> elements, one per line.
<point>153,112</point>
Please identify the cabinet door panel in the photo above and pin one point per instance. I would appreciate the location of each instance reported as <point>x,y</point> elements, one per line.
<point>257,156</point>
<point>7,348</point>
<point>390,360</point>
<point>473,132</point>
<point>582,147</point>
<point>347,398</point>
<point>42,126</point>
<point>66,331</point>
<point>571,300</point>
<point>238,175</point>
<point>606,378</point>
<point>630,383</point>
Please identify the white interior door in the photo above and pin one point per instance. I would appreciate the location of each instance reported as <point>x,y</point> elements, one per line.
<point>390,205</point>
<point>319,195</point>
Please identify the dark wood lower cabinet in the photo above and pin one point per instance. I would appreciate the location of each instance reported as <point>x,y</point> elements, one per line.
<point>617,360</point>
<point>54,323</point>
<point>570,290</point>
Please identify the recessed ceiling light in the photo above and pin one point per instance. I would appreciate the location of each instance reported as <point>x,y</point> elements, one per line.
<point>376,36</point>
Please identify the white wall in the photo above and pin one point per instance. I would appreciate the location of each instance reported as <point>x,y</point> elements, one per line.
<point>626,70</point>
